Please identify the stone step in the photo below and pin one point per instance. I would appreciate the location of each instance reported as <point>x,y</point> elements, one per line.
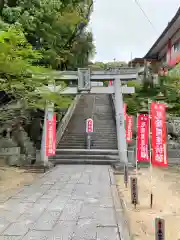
<point>104,147</point>
<point>84,161</point>
<point>87,151</point>
<point>74,146</point>
<point>71,146</point>
<point>86,156</point>
<point>95,136</point>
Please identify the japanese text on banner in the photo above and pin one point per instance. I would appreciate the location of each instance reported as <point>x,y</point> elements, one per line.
<point>142,138</point>
<point>129,128</point>
<point>51,136</point>
<point>54,134</point>
<point>158,127</point>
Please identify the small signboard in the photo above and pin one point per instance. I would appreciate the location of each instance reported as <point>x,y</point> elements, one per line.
<point>134,191</point>
<point>159,229</point>
<point>125,175</point>
<point>89,125</point>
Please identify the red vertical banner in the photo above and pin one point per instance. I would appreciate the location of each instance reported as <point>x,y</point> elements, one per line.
<point>51,136</point>
<point>125,109</point>
<point>54,134</point>
<point>142,138</point>
<point>110,82</point>
<point>158,128</point>
<point>129,128</point>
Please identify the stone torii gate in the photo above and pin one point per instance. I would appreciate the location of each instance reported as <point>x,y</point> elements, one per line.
<point>84,77</point>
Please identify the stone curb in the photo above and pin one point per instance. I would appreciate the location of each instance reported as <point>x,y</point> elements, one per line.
<point>120,210</point>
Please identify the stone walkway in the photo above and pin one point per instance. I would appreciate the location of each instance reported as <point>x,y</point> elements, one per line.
<point>71,202</point>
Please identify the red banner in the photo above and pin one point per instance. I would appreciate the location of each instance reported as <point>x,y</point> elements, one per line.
<point>54,134</point>
<point>142,138</point>
<point>158,128</point>
<point>125,109</point>
<point>51,136</point>
<point>129,128</point>
<point>110,82</point>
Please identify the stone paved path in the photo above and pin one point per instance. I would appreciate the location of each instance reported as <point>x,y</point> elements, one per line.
<point>71,202</point>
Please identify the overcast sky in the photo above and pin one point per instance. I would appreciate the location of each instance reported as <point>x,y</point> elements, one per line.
<point>119,26</point>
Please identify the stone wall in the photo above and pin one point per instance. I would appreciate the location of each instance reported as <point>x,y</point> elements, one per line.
<point>176,122</point>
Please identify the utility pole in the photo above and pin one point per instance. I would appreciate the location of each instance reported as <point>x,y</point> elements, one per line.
<point>131,59</point>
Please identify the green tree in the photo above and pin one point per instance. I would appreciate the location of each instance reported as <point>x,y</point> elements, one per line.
<point>17,60</point>
<point>56,28</point>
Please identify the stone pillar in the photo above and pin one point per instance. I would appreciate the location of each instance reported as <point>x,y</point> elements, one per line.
<point>120,126</point>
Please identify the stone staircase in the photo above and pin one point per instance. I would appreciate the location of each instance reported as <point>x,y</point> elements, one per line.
<point>99,108</point>
<point>88,156</point>
<point>74,136</point>
<point>72,146</point>
<point>104,136</point>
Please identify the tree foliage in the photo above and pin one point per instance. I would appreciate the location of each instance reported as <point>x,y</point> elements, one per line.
<point>108,65</point>
<point>37,36</point>
<point>56,28</point>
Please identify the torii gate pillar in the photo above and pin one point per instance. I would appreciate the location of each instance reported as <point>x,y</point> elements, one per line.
<point>120,128</point>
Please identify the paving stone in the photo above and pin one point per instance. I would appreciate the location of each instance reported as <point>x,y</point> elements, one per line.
<point>5,237</point>
<point>63,230</point>
<point>99,202</point>
<point>48,182</point>
<point>86,190</point>
<point>3,198</point>
<point>47,221</point>
<point>50,194</point>
<point>16,205</point>
<point>32,198</point>
<point>33,213</point>
<point>85,230</point>
<point>69,187</point>
<point>4,223</point>
<point>64,178</point>
<point>71,211</point>
<point>75,177</point>
<point>37,235</point>
<point>68,203</point>
<point>88,211</point>
<point>76,196</point>
<point>42,201</point>
<point>18,228</point>
<point>10,216</point>
<point>105,217</point>
<point>21,195</point>
<point>58,203</point>
<point>58,186</point>
<point>85,179</point>
<point>107,233</point>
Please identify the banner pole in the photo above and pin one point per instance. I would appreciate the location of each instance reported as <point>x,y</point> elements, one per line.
<point>150,157</point>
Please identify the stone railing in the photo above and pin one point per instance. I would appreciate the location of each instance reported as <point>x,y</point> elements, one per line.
<point>113,106</point>
<point>176,123</point>
<point>63,124</point>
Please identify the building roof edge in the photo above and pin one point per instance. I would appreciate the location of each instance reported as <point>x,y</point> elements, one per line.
<point>170,24</point>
